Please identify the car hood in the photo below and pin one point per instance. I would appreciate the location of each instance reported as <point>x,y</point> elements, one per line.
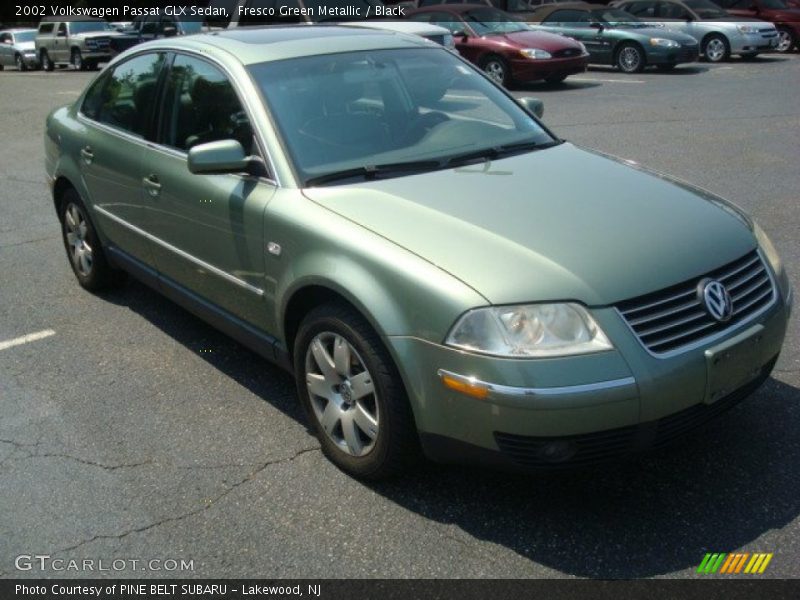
<point>557,224</point>
<point>535,39</point>
<point>25,46</point>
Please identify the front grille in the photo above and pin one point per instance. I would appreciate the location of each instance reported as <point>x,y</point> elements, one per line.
<point>99,44</point>
<point>593,448</point>
<point>567,52</point>
<point>674,317</point>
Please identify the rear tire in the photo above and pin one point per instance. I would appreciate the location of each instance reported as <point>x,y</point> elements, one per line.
<point>353,395</point>
<point>716,48</point>
<point>44,59</point>
<point>786,40</point>
<point>83,247</point>
<point>630,58</point>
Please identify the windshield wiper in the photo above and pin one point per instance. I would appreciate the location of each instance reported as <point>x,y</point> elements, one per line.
<point>495,152</point>
<point>370,172</point>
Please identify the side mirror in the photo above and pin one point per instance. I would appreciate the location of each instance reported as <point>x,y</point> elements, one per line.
<point>224,156</point>
<point>532,105</point>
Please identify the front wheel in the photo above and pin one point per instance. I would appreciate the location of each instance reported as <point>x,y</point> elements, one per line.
<point>86,256</point>
<point>21,66</point>
<point>352,394</point>
<point>786,40</point>
<point>77,60</point>
<point>716,48</point>
<point>47,64</point>
<point>497,69</point>
<point>630,58</point>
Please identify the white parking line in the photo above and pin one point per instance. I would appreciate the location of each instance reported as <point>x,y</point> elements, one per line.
<point>606,80</point>
<point>31,337</point>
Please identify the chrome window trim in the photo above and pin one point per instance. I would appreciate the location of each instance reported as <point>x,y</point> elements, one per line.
<point>567,390</point>
<point>715,336</point>
<point>183,254</point>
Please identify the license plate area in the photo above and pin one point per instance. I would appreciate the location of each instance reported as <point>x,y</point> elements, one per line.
<point>733,363</point>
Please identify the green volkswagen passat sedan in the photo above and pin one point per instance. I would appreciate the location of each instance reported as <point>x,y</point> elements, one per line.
<point>439,271</point>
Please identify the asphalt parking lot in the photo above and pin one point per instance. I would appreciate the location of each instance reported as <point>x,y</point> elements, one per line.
<point>136,431</point>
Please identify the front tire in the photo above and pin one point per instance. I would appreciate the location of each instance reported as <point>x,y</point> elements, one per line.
<point>786,40</point>
<point>21,66</point>
<point>76,59</point>
<point>630,58</point>
<point>44,59</point>
<point>84,251</point>
<point>353,395</point>
<point>497,70</point>
<point>716,48</point>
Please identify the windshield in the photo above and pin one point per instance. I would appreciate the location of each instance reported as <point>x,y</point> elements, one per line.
<point>355,110</point>
<point>86,26</point>
<point>25,36</point>
<point>706,9</point>
<point>616,17</point>
<point>489,21</point>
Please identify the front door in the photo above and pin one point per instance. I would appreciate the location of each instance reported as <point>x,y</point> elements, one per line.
<point>208,229</point>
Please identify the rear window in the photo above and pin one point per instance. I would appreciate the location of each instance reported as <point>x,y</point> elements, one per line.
<point>46,27</point>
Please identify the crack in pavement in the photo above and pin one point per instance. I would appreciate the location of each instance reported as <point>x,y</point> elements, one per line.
<point>91,463</point>
<point>33,241</point>
<point>191,513</point>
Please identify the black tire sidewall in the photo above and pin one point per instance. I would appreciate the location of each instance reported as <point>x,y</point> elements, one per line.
<point>721,38</point>
<point>390,396</point>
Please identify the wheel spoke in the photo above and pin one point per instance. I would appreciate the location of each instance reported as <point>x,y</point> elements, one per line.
<point>324,362</point>
<point>71,238</point>
<point>365,421</point>
<point>71,219</point>
<point>84,261</point>
<point>318,386</point>
<point>82,229</point>
<point>354,443</point>
<point>330,416</point>
<point>341,356</point>
<point>362,385</point>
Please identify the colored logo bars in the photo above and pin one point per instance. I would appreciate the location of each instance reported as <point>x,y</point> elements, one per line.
<point>754,564</point>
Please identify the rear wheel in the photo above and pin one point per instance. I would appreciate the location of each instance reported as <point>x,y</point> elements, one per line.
<point>21,66</point>
<point>716,48</point>
<point>85,253</point>
<point>47,64</point>
<point>352,394</point>
<point>786,40</point>
<point>630,58</point>
<point>497,69</point>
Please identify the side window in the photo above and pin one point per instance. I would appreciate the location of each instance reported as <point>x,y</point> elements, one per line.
<point>124,98</point>
<point>642,9</point>
<point>46,27</point>
<point>670,10</point>
<point>201,106</point>
<point>568,18</point>
<point>449,21</point>
<point>62,30</point>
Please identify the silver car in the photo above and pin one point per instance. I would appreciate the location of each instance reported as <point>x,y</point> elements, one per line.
<point>720,34</point>
<point>17,49</point>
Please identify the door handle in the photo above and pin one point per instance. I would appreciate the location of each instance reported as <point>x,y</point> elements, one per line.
<point>153,186</point>
<point>87,154</point>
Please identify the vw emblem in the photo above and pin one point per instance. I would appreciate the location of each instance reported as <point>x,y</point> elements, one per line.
<point>716,299</point>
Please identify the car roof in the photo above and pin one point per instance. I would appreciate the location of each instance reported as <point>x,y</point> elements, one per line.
<point>54,19</point>
<point>251,45</point>
<point>546,10</point>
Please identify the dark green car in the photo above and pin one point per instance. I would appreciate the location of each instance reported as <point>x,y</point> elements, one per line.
<point>437,269</point>
<point>614,37</point>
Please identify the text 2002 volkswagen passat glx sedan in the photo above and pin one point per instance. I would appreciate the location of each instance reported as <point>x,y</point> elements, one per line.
<point>437,269</point>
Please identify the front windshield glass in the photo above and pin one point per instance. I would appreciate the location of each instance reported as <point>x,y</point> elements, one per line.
<point>706,9</point>
<point>616,17</point>
<point>25,36</point>
<point>86,26</point>
<point>489,21</point>
<point>356,110</point>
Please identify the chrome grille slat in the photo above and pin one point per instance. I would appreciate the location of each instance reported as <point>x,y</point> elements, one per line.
<point>675,317</point>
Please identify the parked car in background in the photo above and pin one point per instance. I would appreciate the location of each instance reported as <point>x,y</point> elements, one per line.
<point>614,37</point>
<point>80,42</point>
<point>440,274</point>
<point>719,33</point>
<point>785,18</point>
<point>507,50</point>
<point>152,27</point>
<point>18,49</point>
<point>429,31</point>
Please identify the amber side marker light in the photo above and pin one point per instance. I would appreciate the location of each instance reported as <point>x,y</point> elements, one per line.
<point>468,386</point>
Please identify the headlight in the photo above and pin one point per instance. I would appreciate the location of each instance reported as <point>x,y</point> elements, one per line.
<point>747,28</point>
<point>529,330</point>
<point>535,53</point>
<point>449,41</point>
<point>664,43</point>
<point>768,249</point>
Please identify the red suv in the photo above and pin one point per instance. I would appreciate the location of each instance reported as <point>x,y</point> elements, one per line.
<point>785,15</point>
<point>506,49</point>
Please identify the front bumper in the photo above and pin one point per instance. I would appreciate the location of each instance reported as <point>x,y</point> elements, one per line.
<point>754,42</point>
<point>574,410</point>
<point>533,70</point>
<point>673,56</point>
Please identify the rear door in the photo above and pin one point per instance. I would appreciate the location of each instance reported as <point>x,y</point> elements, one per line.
<point>60,52</point>
<point>208,229</point>
<point>118,116</point>
<point>576,24</point>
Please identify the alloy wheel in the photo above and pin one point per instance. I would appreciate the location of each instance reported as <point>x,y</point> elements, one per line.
<point>77,60</point>
<point>77,230</point>
<point>496,71</point>
<point>629,59</point>
<point>785,41</point>
<point>715,50</point>
<point>342,394</point>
